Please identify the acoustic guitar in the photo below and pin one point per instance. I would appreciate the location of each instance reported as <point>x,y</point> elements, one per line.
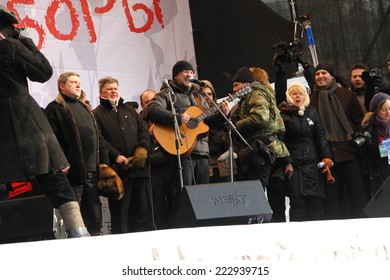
<point>191,131</point>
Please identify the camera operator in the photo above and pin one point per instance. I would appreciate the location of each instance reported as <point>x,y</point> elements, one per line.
<point>286,54</point>
<point>377,80</point>
<point>28,147</point>
<point>375,131</point>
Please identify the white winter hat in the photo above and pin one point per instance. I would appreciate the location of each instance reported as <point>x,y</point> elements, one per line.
<point>301,87</point>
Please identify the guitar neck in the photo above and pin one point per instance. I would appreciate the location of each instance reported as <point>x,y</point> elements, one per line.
<point>211,110</point>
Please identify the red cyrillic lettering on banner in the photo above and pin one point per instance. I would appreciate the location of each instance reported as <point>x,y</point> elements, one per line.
<point>88,20</point>
<point>130,21</point>
<point>106,8</point>
<point>54,6</point>
<point>158,12</point>
<point>51,23</point>
<point>30,23</point>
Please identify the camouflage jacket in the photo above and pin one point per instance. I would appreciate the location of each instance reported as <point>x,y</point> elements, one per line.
<point>258,117</point>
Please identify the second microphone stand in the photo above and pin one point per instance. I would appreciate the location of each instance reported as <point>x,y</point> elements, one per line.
<point>230,126</point>
<point>178,137</point>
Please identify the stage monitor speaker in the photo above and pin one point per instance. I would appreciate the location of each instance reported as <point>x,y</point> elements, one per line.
<point>223,204</point>
<point>29,219</point>
<point>379,204</point>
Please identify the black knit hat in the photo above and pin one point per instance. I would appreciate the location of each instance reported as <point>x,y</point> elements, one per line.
<point>181,66</point>
<point>243,75</point>
<point>326,66</point>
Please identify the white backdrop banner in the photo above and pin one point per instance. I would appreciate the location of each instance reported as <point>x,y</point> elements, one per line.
<point>134,41</point>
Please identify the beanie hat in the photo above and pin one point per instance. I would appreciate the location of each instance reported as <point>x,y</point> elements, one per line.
<point>181,66</point>
<point>326,66</point>
<point>302,88</point>
<point>377,99</point>
<point>243,75</point>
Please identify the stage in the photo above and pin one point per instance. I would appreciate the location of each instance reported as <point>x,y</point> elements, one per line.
<point>366,242</point>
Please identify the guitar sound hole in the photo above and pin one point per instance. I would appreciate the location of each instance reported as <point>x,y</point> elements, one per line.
<point>192,123</point>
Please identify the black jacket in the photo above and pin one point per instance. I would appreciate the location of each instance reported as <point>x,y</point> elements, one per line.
<point>64,126</point>
<point>305,140</point>
<point>28,146</point>
<point>123,129</point>
<point>378,167</point>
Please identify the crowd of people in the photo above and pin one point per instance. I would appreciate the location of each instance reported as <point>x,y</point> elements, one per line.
<point>325,146</point>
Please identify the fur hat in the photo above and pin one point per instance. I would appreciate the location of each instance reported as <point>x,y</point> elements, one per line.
<point>7,17</point>
<point>181,66</point>
<point>243,75</point>
<point>377,99</point>
<point>302,88</point>
<point>326,66</point>
<point>110,184</point>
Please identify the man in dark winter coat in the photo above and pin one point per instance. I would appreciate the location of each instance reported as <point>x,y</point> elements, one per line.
<point>128,141</point>
<point>28,147</point>
<point>185,97</point>
<point>77,132</point>
<point>341,116</point>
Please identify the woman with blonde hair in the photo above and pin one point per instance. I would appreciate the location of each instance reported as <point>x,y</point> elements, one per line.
<point>261,76</point>
<point>305,140</point>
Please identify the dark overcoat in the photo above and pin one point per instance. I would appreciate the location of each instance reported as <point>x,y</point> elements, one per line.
<point>28,146</point>
<point>305,140</point>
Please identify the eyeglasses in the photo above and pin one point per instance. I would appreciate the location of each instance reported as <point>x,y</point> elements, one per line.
<point>188,72</point>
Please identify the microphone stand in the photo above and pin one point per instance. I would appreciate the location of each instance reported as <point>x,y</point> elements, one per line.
<point>230,126</point>
<point>178,136</point>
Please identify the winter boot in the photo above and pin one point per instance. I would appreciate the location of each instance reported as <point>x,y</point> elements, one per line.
<point>74,224</point>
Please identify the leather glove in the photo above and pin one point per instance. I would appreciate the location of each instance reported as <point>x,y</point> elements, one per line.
<point>139,158</point>
<point>327,162</point>
<point>225,156</point>
<point>110,184</point>
<point>283,106</point>
<point>23,34</point>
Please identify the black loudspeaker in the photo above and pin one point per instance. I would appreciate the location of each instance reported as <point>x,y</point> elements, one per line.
<point>29,219</point>
<point>379,204</point>
<point>223,204</point>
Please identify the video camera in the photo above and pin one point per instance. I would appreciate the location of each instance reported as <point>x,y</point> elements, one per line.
<point>368,76</point>
<point>287,52</point>
<point>359,142</point>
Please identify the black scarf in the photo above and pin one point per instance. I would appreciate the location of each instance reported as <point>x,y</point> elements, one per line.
<point>336,124</point>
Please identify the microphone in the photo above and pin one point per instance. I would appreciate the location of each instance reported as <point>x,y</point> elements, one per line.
<point>202,84</point>
<point>166,83</point>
